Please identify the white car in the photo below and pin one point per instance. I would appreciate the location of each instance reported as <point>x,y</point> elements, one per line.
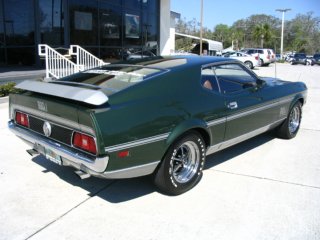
<point>250,61</point>
<point>264,55</point>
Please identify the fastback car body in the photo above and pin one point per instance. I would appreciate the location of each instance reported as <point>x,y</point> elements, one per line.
<point>159,115</point>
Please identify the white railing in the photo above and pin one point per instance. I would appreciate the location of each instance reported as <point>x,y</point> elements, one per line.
<point>85,60</point>
<point>57,65</point>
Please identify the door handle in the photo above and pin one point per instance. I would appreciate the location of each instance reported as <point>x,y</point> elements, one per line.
<point>232,105</point>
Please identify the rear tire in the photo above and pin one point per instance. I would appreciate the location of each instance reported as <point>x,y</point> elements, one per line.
<point>261,62</point>
<point>248,64</point>
<point>182,165</point>
<point>291,125</point>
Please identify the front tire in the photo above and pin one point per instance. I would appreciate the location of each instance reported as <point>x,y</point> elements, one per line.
<point>182,165</point>
<point>291,125</point>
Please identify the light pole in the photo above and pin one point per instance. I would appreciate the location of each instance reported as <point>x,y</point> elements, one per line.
<point>282,27</point>
<point>201,19</point>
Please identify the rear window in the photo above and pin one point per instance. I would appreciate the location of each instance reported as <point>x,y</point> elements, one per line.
<point>113,78</point>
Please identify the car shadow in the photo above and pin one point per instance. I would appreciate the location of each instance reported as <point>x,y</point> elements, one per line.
<point>122,190</point>
<point>114,191</point>
<point>238,149</point>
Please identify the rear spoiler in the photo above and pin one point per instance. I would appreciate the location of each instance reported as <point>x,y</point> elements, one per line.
<point>93,97</point>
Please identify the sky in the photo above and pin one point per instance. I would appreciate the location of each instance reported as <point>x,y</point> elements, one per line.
<point>229,11</point>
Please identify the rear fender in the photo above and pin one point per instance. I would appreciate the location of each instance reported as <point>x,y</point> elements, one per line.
<point>191,124</point>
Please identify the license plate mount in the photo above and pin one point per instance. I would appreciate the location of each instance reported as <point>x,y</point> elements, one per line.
<point>53,157</point>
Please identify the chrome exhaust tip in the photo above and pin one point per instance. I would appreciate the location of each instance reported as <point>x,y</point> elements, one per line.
<point>82,175</point>
<point>32,152</point>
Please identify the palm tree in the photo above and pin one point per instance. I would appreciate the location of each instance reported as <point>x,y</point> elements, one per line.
<point>262,32</point>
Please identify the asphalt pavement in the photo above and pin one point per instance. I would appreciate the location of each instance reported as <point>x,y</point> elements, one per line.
<point>264,188</point>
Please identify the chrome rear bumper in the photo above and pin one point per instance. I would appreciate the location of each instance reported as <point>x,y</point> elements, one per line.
<point>70,156</point>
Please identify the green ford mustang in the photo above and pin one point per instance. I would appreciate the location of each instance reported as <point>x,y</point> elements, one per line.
<point>159,116</point>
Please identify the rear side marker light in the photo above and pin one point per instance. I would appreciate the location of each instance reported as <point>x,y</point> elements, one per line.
<point>123,154</point>
<point>84,142</point>
<point>22,119</point>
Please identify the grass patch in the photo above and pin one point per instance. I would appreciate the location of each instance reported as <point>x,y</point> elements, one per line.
<point>8,88</point>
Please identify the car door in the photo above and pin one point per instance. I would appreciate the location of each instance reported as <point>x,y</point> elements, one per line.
<point>214,106</point>
<point>245,106</point>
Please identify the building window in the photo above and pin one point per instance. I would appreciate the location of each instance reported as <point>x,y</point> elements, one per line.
<point>84,22</point>
<point>110,25</point>
<point>19,22</point>
<point>51,22</point>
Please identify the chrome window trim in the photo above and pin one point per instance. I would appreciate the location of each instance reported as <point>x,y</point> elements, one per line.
<point>137,143</point>
<point>54,119</point>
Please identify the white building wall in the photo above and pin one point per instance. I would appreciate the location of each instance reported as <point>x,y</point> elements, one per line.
<point>166,42</point>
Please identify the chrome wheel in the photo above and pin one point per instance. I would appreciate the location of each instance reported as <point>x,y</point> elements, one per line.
<point>185,162</point>
<point>294,119</point>
<point>182,165</point>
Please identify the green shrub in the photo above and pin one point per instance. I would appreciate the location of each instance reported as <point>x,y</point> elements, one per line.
<point>8,88</point>
<point>281,61</point>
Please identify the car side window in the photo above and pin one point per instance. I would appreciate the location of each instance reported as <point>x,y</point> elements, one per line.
<point>208,79</point>
<point>233,78</point>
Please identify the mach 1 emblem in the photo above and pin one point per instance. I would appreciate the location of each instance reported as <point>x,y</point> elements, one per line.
<point>42,106</point>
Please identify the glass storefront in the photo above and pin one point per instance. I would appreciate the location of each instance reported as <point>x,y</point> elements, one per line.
<point>110,29</point>
<point>51,22</point>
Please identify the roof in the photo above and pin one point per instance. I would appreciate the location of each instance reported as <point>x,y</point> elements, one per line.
<point>212,45</point>
<point>175,62</point>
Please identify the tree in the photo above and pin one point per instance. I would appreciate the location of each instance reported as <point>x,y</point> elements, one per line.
<point>263,33</point>
<point>222,33</point>
<point>303,33</point>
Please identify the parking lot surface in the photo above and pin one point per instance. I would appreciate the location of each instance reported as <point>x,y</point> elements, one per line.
<point>264,188</point>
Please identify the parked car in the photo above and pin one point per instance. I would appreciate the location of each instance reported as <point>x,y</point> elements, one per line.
<point>263,54</point>
<point>159,116</point>
<point>138,54</point>
<point>288,57</point>
<point>272,56</point>
<point>316,58</point>
<point>248,60</point>
<point>300,58</point>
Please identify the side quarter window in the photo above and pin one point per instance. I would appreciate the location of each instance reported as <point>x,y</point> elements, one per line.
<point>208,79</point>
<point>233,78</point>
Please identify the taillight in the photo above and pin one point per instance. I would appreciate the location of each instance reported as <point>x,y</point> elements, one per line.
<point>22,119</point>
<point>268,56</point>
<point>257,57</point>
<point>84,142</point>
